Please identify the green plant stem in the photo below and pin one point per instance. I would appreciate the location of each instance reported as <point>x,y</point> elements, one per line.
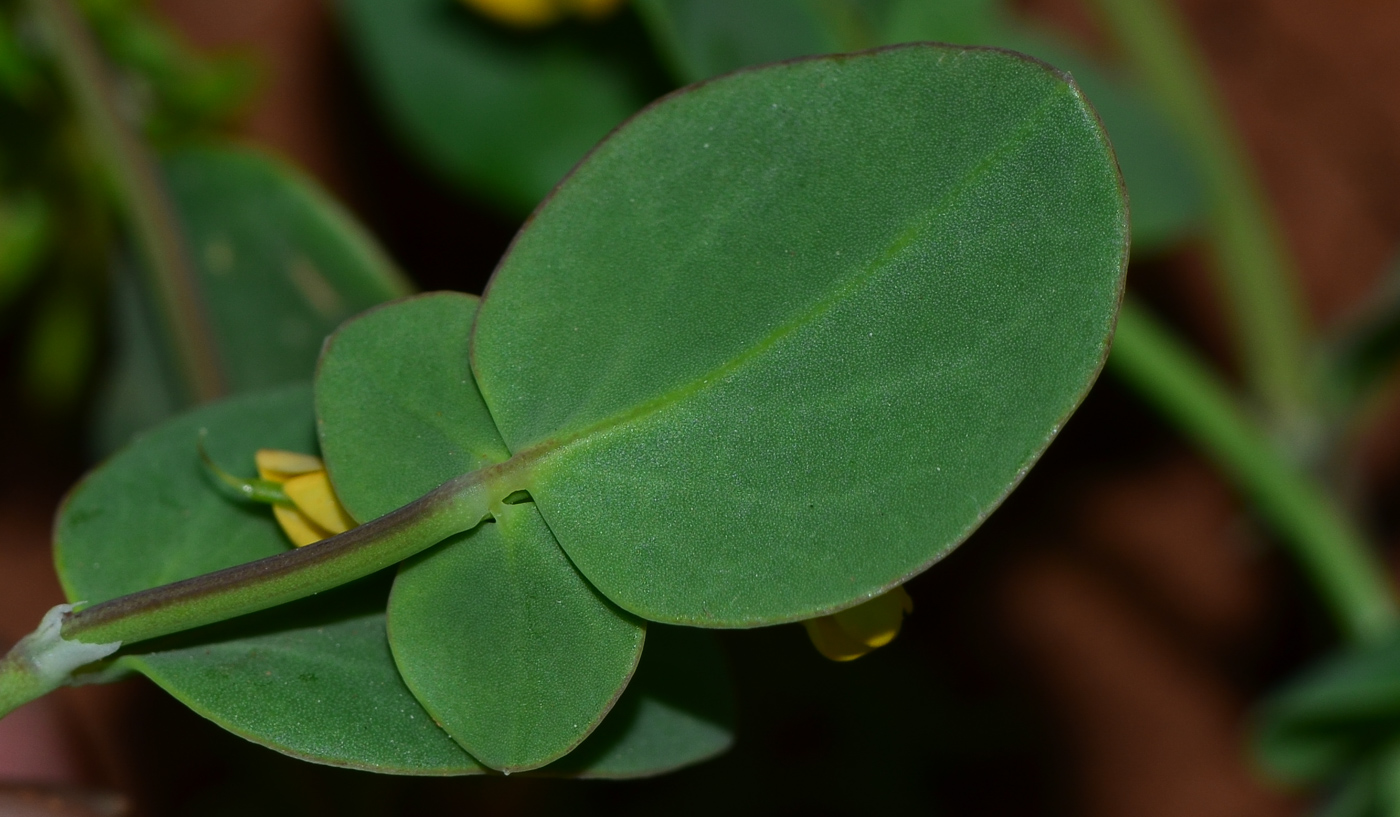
<point>142,196</point>
<point>43,661</point>
<point>457,506</point>
<point>1259,278</point>
<point>18,684</point>
<point>1350,579</point>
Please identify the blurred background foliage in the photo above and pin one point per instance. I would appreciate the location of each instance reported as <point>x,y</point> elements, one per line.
<point>57,226</point>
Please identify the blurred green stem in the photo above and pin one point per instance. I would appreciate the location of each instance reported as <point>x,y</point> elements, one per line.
<point>18,685</point>
<point>1337,558</point>
<point>142,196</point>
<point>1259,278</point>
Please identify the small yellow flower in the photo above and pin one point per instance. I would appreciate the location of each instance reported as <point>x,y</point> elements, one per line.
<point>316,513</point>
<point>536,13</point>
<point>851,633</point>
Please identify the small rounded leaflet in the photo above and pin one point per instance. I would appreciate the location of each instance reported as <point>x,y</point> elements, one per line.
<point>496,633</point>
<point>787,337</point>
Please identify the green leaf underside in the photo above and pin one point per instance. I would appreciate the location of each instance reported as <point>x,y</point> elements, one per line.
<point>1344,710</point>
<point>313,679</point>
<point>1167,199</point>
<point>786,338</point>
<point>508,647</point>
<point>151,515</point>
<point>1168,203</point>
<point>397,409</point>
<point>279,266</point>
<point>678,710</point>
<point>705,38</point>
<point>503,113</point>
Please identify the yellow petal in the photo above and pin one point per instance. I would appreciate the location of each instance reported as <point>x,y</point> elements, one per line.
<point>831,641</point>
<point>519,13</point>
<point>279,466</point>
<point>313,496</point>
<point>876,622</point>
<point>299,529</point>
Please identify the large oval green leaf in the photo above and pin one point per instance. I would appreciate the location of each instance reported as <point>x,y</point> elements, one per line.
<point>704,38</point>
<point>278,266</point>
<point>501,639</point>
<point>786,338</point>
<point>314,679</point>
<point>1168,202</point>
<point>505,114</point>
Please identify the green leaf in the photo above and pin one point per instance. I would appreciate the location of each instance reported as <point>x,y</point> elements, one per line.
<point>18,71</point>
<point>508,647</point>
<point>502,113</point>
<point>1168,203</point>
<point>1362,355</point>
<point>705,38</point>
<point>279,267</point>
<point>677,711</point>
<point>280,263</point>
<point>1167,199</point>
<point>391,432</point>
<point>140,387</point>
<point>1342,711</point>
<point>314,679</point>
<point>151,515</point>
<point>784,340</point>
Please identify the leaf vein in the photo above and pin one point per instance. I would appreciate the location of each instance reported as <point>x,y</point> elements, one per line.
<point>1013,142</point>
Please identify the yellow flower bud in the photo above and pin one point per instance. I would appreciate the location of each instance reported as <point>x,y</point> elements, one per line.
<point>317,513</point>
<point>851,633</point>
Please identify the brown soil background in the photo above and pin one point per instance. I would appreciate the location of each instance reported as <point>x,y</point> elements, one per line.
<point>1120,613</point>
